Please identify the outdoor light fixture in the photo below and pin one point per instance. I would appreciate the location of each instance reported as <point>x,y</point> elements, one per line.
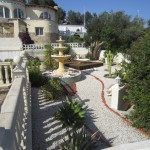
<point>118,80</point>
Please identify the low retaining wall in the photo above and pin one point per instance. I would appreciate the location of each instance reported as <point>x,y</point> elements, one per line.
<point>15,113</point>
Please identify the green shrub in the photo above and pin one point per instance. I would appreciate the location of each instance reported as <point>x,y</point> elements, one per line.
<point>138,77</point>
<point>53,90</point>
<point>35,76</point>
<point>49,63</point>
<point>8,60</point>
<point>34,62</point>
<point>67,51</point>
<point>71,114</point>
<point>75,38</point>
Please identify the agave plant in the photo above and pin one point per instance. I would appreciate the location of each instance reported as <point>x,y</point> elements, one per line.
<point>71,114</point>
<point>79,140</point>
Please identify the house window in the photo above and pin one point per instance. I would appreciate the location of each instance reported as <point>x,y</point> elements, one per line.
<point>4,12</point>
<point>18,13</point>
<point>45,15</point>
<point>39,30</point>
<point>1,11</point>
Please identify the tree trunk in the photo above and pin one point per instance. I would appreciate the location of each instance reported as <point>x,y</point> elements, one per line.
<point>97,49</point>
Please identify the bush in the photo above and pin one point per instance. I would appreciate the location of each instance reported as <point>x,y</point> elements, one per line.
<point>34,62</point>
<point>75,38</point>
<point>8,60</point>
<point>53,90</point>
<point>71,114</point>
<point>49,63</point>
<point>67,51</point>
<point>35,76</point>
<point>138,77</point>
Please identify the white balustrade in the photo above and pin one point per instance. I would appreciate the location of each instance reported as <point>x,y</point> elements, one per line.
<point>72,45</point>
<point>42,46</point>
<point>33,46</point>
<point>6,73</point>
<point>15,114</point>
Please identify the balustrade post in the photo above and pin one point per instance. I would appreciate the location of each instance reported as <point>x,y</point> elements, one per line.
<point>6,74</point>
<point>11,70</point>
<point>19,71</point>
<point>1,76</point>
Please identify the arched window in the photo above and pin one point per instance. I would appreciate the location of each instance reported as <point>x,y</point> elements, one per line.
<point>45,15</point>
<point>4,12</point>
<point>18,13</point>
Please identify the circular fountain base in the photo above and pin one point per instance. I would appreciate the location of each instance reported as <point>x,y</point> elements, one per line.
<point>69,76</point>
<point>57,73</point>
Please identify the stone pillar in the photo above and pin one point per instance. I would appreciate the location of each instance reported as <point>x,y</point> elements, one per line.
<point>118,93</point>
<point>6,74</point>
<point>1,76</point>
<point>11,70</point>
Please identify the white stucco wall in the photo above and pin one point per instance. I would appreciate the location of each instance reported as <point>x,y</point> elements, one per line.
<point>49,26</point>
<point>35,12</point>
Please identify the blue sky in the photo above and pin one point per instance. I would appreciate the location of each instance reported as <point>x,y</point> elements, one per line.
<point>130,7</point>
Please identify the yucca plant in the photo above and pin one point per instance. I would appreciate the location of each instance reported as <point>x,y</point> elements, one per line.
<point>71,114</point>
<point>79,140</point>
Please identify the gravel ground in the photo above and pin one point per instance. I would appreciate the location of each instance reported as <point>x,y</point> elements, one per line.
<point>47,132</point>
<point>114,129</point>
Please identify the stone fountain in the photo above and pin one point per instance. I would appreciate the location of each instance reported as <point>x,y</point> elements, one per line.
<point>67,76</point>
<point>61,58</point>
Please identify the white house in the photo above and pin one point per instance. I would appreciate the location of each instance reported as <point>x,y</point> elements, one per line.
<point>20,22</point>
<point>68,30</point>
<point>41,21</point>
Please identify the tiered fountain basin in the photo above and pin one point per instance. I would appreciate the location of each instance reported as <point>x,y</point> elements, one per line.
<point>61,70</point>
<point>70,77</point>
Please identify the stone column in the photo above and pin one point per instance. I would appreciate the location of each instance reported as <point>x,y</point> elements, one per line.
<point>6,74</point>
<point>1,76</point>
